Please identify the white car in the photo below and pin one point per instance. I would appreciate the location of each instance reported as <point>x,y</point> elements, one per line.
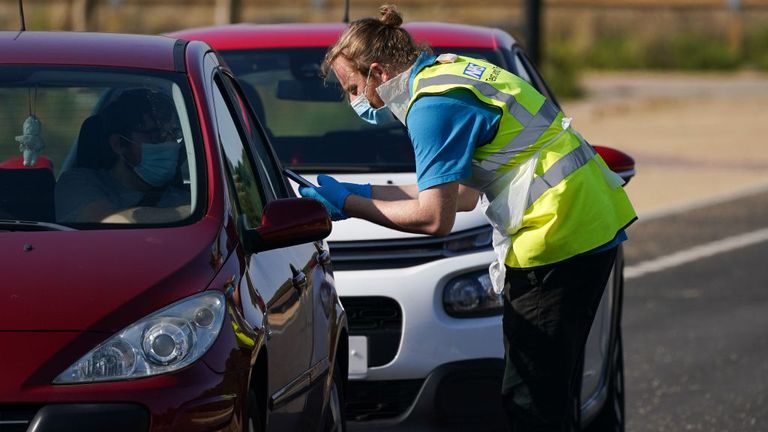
<point>425,346</point>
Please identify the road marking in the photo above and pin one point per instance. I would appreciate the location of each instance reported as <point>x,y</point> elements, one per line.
<point>696,253</point>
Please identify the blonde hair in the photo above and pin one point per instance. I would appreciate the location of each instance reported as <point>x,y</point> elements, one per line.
<point>370,40</point>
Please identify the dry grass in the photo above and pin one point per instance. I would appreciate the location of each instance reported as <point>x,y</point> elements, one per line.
<point>578,18</point>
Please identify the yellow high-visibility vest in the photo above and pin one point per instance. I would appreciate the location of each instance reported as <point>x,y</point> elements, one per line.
<point>572,206</point>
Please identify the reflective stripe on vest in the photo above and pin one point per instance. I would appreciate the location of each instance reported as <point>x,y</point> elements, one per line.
<point>533,125</point>
<point>516,110</point>
<point>564,166</point>
<point>532,132</point>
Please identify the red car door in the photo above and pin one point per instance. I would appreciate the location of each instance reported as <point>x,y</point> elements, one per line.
<point>310,271</point>
<point>277,275</point>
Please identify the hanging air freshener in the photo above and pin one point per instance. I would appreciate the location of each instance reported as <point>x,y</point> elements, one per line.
<point>31,142</point>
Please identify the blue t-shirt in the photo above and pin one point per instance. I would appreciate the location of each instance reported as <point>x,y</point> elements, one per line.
<point>445,130</point>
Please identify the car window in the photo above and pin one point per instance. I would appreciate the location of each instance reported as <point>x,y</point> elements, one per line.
<point>241,175</point>
<point>521,71</point>
<point>87,147</point>
<point>311,126</point>
<point>272,177</point>
<point>527,70</point>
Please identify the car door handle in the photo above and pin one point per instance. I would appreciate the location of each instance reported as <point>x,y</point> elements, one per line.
<point>299,278</point>
<point>323,256</point>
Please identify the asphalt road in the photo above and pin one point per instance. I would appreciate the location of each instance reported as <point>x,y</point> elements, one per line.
<point>696,332</point>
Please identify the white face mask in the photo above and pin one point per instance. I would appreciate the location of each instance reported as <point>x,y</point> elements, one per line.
<point>396,94</point>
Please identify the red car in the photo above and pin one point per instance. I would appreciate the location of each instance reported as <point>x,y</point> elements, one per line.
<point>425,326</point>
<point>158,272</point>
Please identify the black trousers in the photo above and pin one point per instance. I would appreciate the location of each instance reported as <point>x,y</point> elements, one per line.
<point>548,312</point>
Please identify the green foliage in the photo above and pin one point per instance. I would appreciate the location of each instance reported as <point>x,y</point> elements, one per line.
<point>761,62</point>
<point>691,52</point>
<point>682,51</point>
<point>561,70</point>
<point>756,49</point>
<point>616,52</point>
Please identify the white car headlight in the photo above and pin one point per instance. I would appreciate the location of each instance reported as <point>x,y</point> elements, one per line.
<point>471,295</point>
<point>162,342</point>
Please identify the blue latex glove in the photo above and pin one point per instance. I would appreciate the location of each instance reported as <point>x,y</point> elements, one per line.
<point>312,192</point>
<point>331,193</point>
<point>363,190</point>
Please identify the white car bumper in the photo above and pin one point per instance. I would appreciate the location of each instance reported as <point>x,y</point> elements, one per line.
<point>430,337</point>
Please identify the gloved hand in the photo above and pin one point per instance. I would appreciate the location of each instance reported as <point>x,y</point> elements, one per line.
<point>363,190</point>
<point>331,193</point>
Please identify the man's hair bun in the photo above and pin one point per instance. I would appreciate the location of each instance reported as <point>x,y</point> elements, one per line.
<point>369,40</point>
<point>390,16</point>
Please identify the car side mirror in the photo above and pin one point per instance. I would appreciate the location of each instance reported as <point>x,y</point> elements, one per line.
<point>290,221</point>
<point>618,161</point>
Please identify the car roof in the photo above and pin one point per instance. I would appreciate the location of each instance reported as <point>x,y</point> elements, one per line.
<point>296,35</point>
<point>90,49</point>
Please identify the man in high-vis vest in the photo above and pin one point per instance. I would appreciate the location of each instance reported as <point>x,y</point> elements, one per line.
<point>558,212</point>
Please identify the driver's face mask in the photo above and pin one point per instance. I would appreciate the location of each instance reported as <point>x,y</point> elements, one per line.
<point>363,108</point>
<point>158,162</point>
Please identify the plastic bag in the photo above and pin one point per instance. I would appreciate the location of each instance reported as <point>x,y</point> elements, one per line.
<point>505,213</point>
<point>613,179</point>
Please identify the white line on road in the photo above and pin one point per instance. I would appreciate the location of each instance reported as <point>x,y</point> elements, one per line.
<point>695,253</point>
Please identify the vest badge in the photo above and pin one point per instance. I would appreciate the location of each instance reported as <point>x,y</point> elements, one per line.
<point>474,70</point>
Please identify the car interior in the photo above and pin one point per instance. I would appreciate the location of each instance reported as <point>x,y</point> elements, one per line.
<point>27,193</point>
<point>28,176</point>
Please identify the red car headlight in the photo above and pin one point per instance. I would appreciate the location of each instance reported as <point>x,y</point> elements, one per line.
<point>162,342</point>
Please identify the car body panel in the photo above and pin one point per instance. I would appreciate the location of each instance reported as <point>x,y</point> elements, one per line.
<point>420,297</point>
<point>68,291</point>
<point>288,310</point>
<point>255,36</point>
<point>171,270</point>
<point>107,50</point>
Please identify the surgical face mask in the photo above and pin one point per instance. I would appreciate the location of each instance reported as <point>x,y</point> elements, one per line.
<point>396,94</point>
<point>158,163</point>
<point>363,108</point>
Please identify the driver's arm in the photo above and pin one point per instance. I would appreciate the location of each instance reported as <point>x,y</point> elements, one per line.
<point>149,215</point>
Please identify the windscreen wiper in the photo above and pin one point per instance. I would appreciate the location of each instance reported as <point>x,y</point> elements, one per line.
<point>22,225</point>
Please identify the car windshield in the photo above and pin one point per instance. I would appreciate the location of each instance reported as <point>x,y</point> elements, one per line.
<point>310,124</point>
<point>96,148</point>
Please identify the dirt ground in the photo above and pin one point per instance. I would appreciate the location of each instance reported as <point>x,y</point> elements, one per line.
<point>694,137</point>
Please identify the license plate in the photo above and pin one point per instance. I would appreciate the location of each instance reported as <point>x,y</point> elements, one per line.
<point>358,356</point>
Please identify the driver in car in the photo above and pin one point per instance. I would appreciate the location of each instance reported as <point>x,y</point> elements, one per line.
<point>137,177</point>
